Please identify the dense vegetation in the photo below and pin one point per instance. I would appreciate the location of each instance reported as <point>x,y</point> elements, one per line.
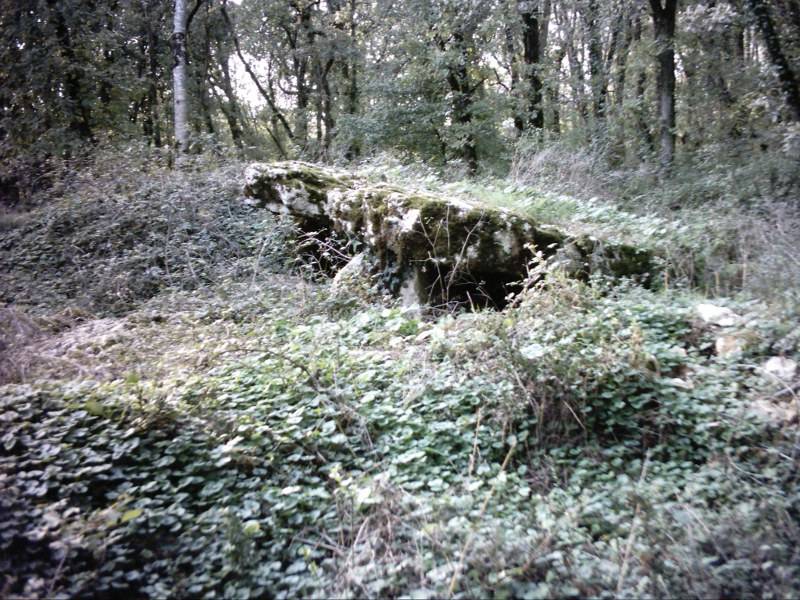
<point>190,407</point>
<point>188,414</point>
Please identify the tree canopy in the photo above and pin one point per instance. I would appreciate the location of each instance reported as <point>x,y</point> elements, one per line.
<point>440,80</point>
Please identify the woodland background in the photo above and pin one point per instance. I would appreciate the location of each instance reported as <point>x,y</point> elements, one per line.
<point>189,407</point>
<point>622,88</point>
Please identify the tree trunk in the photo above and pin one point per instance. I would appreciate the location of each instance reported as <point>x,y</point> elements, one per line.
<point>180,96</point>
<point>642,117</point>
<point>458,80</point>
<point>203,78</point>
<point>327,107</point>
<point>786,76</point>
<point>519,122</point>
<point>267,94</point>
<point>79,114</point>
<point>152,118</point>
<point>348,65</point>
<point>664,24</point>
<point>301,105</point>
<point>622,60</point>
<point>552,88</point>
<point>230,108</point>
<point>532,55</point>
<point>105,87</point>
<point>575,73</point>
<point>596,71</point>
<point>305,34</point>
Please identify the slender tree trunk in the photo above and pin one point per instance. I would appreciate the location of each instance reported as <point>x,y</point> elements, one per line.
<point>232,118</point>
<point>617,29</point>
<point>642,117</point>
<point>133,113</point>
<point>105,87</point>
<point>532,55</point>
<point>575,71</point>
<point>152,119</point>
<point>230,108</point>
<point>141,103</point>
<point>548,94</point>
<point>664,24</point>
<point>622,61</point>
<point>204,100</point>
<point>350,72</point>
<point>695,88</point>
<point>327,106</point>
<point>463,92</point>
<point>305,36</point>
<point>318,115</point>
<point>737,34</point>
<point>79,113</point>
<point>511,51</point>
<point>203,77</point>
<point>268,94</point>
<point>349,69</point>
<point>552,89</point>
<point>596,71</point>
<point>301,105</point>
<point>545,13</point>
<point>180,96</point>
<point>786,75</point>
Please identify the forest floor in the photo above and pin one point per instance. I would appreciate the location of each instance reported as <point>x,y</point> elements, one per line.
<point>186,411</point>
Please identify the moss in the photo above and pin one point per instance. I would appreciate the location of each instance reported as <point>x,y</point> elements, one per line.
<point>296,175</point>
<point>483,242</point>
<point>626,261</point>
<point>619,260</point>
<point>374,199</point>
<point>432,210</point>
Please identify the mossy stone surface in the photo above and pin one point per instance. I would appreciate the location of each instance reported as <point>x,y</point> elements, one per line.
<point>440,243</point>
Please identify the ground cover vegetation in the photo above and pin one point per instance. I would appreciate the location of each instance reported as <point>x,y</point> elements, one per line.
<point>191,407</point>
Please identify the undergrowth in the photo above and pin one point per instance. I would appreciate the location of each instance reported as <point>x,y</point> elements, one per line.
<point>723,222</point>
<point>724,216</point>
<point>240,432</point>
<point>126,227</point>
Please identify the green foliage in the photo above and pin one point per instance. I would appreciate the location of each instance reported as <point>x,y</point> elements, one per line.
<point>257,438</point>
<point>118,236</point>
<point>357,458</point>
<point>746,245</point>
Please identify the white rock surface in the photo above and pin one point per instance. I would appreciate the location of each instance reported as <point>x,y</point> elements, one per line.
<point>729,345</point>
<point>355,267</point>
<point>782,368</point>
<point>532,351</point>
<point>717,315</point>
<point>782,412</point>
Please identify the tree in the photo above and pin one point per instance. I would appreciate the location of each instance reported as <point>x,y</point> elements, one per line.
<point>525,74</point>
<point>786,76</point>
<point>179,92</point>
<point>664,25</point>
<point>267,93</point>
<point>150,69</point>
<point>455,38</point>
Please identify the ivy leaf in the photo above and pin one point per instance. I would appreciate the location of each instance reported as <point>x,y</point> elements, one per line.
<point>130,515</point>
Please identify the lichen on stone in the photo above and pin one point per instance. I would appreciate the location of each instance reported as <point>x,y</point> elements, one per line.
<point>442,249</point>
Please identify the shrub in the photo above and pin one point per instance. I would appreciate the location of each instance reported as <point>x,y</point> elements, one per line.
<point>127,228</point>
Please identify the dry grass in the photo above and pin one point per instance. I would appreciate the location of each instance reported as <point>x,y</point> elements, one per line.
<point>174,335</point>
<point>731,228</point>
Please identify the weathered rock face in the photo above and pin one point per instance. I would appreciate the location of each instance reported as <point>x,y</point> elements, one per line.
<point>431,249</point>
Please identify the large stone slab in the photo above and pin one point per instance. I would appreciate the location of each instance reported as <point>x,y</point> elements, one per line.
<point>430,248</point>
